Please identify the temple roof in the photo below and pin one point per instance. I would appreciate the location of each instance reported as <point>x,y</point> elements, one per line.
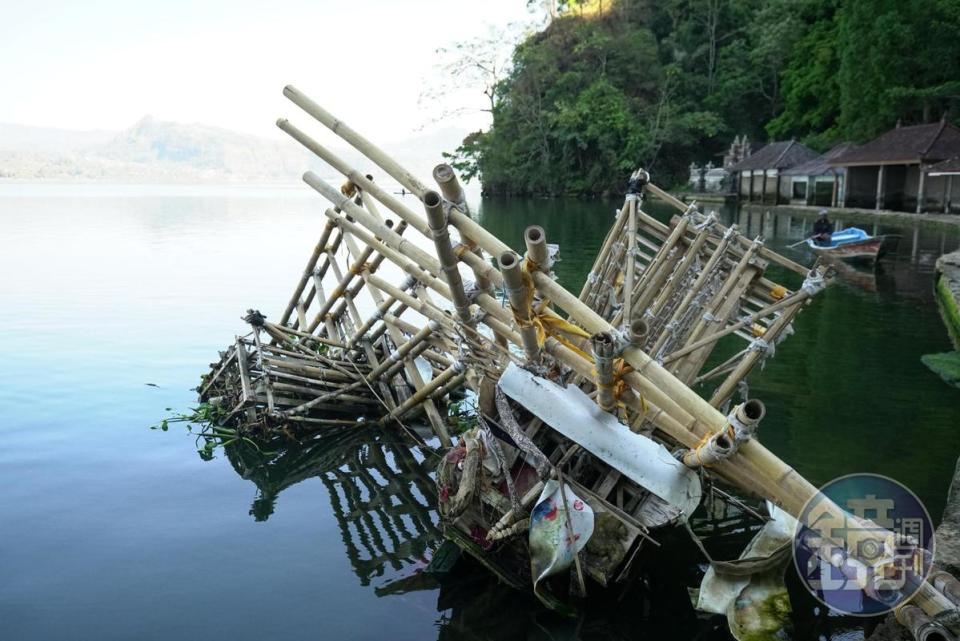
<point>777,155</point>
<point>906,145</point>
<point>819,166</point>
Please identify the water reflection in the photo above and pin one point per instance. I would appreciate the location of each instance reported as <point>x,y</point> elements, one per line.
<point>381,492</point>
<point>905,269</point>
<point>382,496</point>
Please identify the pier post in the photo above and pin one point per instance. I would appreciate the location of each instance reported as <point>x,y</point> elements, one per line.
<point>921,190</point>
<point>880,188</point>
<point>946,199</point>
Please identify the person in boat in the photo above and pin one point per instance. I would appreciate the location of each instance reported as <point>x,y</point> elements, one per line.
<point>822,229</point>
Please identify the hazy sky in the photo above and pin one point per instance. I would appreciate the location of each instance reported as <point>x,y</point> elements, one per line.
<point>103,65</point>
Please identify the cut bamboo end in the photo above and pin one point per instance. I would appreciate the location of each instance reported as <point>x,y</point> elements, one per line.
<point>921,626</point>
<point>535,239</point>
<point>638,332</point>
<point>715,449</point>
<point>446,179</point>
<point>752,411</point>
<point>433,205</point>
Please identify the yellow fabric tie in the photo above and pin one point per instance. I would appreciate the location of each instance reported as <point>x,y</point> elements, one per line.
<point>551,325</point>
<point>356,270</point>
<point>547,324</point>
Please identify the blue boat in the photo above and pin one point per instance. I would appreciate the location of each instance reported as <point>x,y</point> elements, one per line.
<point>851,243</point>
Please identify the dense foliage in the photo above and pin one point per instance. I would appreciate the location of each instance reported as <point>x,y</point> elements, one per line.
<point>661,84</point>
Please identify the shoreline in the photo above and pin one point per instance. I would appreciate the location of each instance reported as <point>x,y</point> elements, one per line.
<point>946,222</point>
<point>946,287</point>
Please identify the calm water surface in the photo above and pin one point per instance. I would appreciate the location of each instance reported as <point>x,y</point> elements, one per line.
<point>115,299</point>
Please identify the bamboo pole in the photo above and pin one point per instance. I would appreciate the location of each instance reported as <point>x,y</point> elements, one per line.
<point>601,260</point>
<point>342,286</point>
<point>437,220</point>
<point>327,320</point>
<point>446,179</point>
<point>797,298</point>
<point>744,242</point>
<point>319,273</point>
<point>267,385</point>
<point>313,337</point>
<point>438,382</point>
<point>339,201</point>
<point>369,268</point>
<point>627,309</point>
<point>750,360</point>
<point>308,270</point>
<point>757,468</point>
<point>386,371</point>
<point>479,265</point>
<point>702,279</point>
<point>413,374</point>
<point>653,279</point>
<point>367,148</point>
<point>676,278</point>
<point>468,227</point>
<point>245,386</point>
<point>497,319</point>
<point>603,348</point>
<point>418,263</point>
<point>728,285</point>
<point>609,275</point>
<point>520,296</point>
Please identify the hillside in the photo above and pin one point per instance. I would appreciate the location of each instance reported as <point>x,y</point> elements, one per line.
<point>633,83</point>
<point>159,151</point>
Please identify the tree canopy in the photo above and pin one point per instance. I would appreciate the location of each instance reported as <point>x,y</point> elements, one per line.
<point>609,86</point>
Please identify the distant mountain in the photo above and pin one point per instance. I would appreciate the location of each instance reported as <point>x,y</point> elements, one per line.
<point>158,151</point>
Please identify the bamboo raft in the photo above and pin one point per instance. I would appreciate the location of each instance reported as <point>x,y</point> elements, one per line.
<point>400,306</point>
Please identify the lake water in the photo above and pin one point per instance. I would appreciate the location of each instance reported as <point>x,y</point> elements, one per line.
<point>115,299</point>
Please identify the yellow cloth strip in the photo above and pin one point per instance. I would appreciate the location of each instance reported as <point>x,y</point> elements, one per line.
<point>551,325</point>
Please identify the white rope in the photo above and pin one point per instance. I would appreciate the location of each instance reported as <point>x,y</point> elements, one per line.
<point>767,349</point>
<point>472,291</point>
<point>709,221</point>
<point>814,283</point>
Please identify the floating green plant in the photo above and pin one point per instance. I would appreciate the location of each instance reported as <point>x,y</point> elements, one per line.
<point>205,422</point>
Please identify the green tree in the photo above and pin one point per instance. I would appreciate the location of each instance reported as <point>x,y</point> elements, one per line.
<point>604,88</point>
<point>898,60</point>
<point>810,87</point>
